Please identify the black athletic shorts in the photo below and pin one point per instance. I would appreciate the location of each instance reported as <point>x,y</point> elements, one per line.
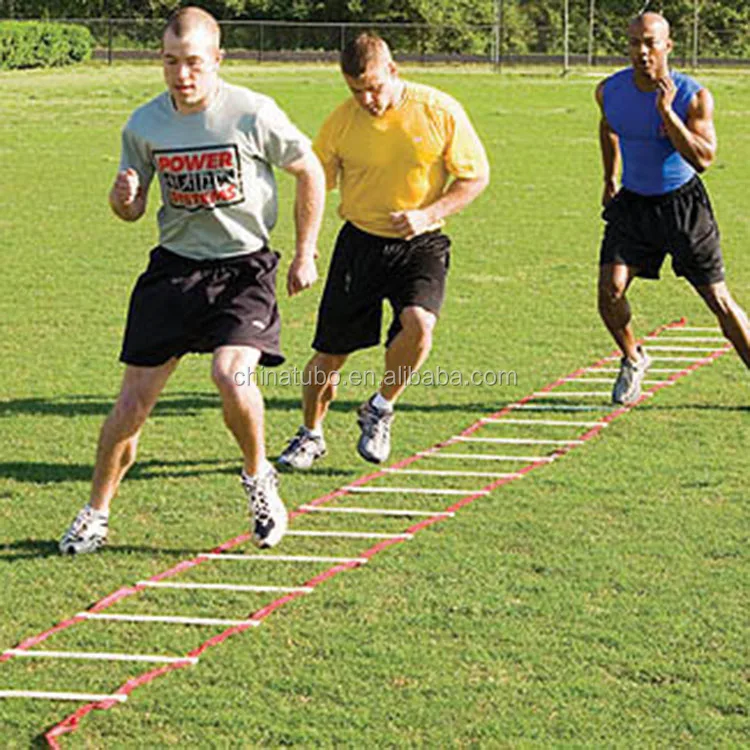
<point>366,270</point>
<point>181,305</point>
<point>642,229</point>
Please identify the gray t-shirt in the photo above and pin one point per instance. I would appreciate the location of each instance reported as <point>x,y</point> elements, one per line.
<point>219,196</point>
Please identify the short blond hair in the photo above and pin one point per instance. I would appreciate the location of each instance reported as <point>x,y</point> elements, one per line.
<point>186,20</point>
<point>364,49</point>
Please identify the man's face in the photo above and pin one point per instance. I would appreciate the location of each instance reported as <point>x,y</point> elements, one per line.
<point>649,46</point>
<point>191,66</point>
<point>375,90</point>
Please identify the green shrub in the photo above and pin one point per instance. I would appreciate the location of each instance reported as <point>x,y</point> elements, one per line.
<point>39,44</point>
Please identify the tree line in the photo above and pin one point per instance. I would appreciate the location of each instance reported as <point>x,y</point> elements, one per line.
<point>526,26</point>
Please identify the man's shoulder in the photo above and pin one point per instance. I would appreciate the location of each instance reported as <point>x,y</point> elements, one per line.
<point>686,82</point>
<point>618,79</point>
<point>142,116</point>
<point>344,110</point>
<point>246,99</point>
<point>431,98</point>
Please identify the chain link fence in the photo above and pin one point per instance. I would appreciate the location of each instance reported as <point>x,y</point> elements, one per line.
<point>491,44</point>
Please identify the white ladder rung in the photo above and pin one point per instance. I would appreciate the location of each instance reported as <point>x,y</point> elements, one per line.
<point>413,491</point>
<point>226,587</point>
<point>653,348</point>
<point>676,359</point>
<point>690,339</point>
<point>448,473</point>
<point>547,422</point>
<point>52,696</point>
<point>694,329</point>
<point>377,511</point>
<point>168,619</point>
<point>573,394</point>
<point>560,407</point>
<point>610,380</point>
<point>483,457</point>
<point>285,558</point>
<point>659,370</point>
<point>102,656</point>
<point>518,441</point>
<point>348,535</point>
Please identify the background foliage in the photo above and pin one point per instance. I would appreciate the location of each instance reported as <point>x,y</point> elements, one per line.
<point>529,26</point>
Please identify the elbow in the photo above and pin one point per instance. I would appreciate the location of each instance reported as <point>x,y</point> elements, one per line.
<point>481,183</point>
<point>705,159</point>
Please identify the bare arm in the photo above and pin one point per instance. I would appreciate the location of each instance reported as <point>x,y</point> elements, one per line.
<point>609,144</point>
<point>127,197</point>
<point>308,215</point>
<point>696,139</point>
<point>459,194</point>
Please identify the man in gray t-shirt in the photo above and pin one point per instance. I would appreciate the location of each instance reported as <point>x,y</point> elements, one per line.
<point>210,284</point>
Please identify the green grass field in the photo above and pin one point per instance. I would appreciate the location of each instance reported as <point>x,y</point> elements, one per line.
<point>602,601</point>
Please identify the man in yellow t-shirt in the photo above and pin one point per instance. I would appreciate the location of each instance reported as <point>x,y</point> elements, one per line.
<point>404,157</point>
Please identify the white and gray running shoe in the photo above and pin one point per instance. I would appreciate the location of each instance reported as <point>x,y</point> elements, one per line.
<point>87,533</point>
<point>267,511</point>
<point>303,450</point>
<point>375,442</point>
<point>627,388</point>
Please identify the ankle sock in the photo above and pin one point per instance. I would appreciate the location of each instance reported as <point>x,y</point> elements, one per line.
<point>316,432</point>
<point>380,403</point>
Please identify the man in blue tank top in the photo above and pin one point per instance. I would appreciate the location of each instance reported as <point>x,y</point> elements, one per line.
<point>658,125</point>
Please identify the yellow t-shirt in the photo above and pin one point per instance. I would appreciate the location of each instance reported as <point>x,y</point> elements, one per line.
<point>399,161</point>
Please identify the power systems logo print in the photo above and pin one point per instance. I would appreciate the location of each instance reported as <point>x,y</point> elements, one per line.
<point>208,177</point>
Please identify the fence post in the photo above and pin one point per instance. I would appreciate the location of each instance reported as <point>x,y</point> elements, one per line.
<point>695,34</point>
<point>260,45</point>
<point>109,40</point>
<point>566,37</point>
<point>592,12</point>
<point>500,19</point>
<point>343,37</point>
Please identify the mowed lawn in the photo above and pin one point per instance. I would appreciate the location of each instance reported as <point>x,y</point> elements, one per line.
<point>601,601</point>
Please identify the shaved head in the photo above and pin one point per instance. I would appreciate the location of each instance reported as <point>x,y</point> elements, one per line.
<point>654,22</point>
<point>649,46</point>
<point>192,20</point>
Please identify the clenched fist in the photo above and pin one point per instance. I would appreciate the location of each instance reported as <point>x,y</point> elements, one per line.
<point>126,186</point>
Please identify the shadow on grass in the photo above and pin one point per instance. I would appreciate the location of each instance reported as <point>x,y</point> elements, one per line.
<point>38,472</point>
<point>24,549</point>
<point>182,404</point>
<point>693,407</point>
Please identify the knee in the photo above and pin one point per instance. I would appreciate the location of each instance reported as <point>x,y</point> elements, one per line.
<point>611,293</point>
<point>419,324</point>
<point>229,376</point>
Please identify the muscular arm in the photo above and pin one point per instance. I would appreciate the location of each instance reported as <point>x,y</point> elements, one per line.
<point>609,144</point>
<point>696,139</point>
<point>459,194</point>
<point>308,214</point>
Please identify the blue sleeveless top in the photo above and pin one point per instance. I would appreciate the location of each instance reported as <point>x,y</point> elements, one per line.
<point>651,164</point>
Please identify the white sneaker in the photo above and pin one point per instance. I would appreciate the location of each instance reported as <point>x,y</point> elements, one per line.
<point>303,450</point>
<point>87,533</point>
<point>375,441</point>
<point>267,511</point>
<point>627,388</point>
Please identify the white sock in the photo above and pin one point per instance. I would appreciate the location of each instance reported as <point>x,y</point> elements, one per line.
<point>98,513</point>
<point>381,403</point>
<point>263,469</point>
<point>316,432</point>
